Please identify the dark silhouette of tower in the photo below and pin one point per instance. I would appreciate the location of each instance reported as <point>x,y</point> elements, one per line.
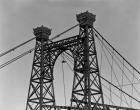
<point>87,85</point>
<point>87,90</point>
<point>41,90</point>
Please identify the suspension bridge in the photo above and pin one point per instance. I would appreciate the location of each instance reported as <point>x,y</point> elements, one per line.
<point>102,78</point>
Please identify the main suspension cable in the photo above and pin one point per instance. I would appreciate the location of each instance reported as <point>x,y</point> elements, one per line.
<point>109,50</point>
<point>64,32</point>
<point>16,58</point>
<point>14,48</point>
<point>111,67</point>
<point>114,94</point>
<point>121,68</point>
<point>119,89</point>
<point>115,50</point>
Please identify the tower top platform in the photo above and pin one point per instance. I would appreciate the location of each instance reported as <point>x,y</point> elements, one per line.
<point>42,33</point>
<point>85,18</point>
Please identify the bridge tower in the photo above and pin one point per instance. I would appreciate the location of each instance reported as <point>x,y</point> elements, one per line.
<point>87,84</point>
<point>87,90</point>
<point>41,90</point>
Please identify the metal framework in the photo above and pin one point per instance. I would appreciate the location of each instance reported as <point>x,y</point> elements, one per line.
<point>87,90</point>
<point>41,85</point>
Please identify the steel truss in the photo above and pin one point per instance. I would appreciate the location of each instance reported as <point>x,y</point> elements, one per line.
<point>87,91</point>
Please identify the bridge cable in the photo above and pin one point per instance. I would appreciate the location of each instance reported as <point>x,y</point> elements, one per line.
<point>14,48</point>
<point>122,70</point>
<point>115,50</point>
<point>64,86</point>
<point>122,64</point>
<point>132,88</point>
<point>114,94</point>
<point>120,60</point>
<point>112,56</point>
<point>128,79</point>
<point>128,69</point>
<point>69,57</point>
<point>64,32</point>
<point>112,70</point>
<point>125,92</point>
<point>119,89</point>
<point>101,56</point>
<point>16,58</point>
<point>109,99</point>
<point>122,78</point>
<point>115,87</point>
<point>66,56</point>
<point>72,71</point>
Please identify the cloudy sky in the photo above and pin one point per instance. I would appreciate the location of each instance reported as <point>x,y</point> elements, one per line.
<point>117,20</point>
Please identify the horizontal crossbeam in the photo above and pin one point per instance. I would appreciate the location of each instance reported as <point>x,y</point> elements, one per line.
<point>64,43</point>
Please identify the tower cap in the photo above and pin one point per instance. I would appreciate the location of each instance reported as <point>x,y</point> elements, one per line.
<point>42,33</point>
<point>86,18</point>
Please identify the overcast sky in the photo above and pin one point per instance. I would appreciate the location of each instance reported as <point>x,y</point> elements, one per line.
<point>117,20</point>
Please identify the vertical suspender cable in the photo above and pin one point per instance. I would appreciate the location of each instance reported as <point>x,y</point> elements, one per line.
<point>116,50</point>
<point>132,88</point>
<point>111,73</point>
<point>120,89</point>
<point>111,66</point>
<point>101,56</point>
<point>120,67</point>
<point>63,78</point>
<point>122,84</point>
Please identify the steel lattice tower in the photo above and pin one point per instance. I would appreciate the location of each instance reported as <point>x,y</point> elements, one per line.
<point>87,85</point>
<point>41,82</point>
<point>87,90</point>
